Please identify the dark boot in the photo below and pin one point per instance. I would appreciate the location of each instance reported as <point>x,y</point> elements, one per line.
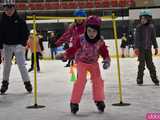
<point>30,69</point>
<point>67,65</point>
<point>100,106</point>
<point>123,56</point>
<point>28,86</point>
<point>38,70</point>
<point>139,81</point>
<point>72,62</point>
<point>4,86</point>
<point>155,81</point>
<point>74,108</point>
<point>154,77</point>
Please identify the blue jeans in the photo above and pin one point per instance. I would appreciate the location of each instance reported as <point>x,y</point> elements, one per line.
<point>53,51</point>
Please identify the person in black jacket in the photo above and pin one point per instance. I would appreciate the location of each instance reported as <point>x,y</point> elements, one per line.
<point>51,44</point>
<point>13,38</point>
<point>145,38</point>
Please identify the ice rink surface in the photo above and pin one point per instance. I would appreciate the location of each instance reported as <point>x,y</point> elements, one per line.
<point>54,90</point>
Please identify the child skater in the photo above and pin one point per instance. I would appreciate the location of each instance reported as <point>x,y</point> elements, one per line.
<point>75,29</point>
<point>145,39</point>
<point>30,44</point>
<point>86,51</point>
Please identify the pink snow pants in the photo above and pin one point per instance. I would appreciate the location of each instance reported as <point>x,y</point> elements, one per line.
<point>97,82</point>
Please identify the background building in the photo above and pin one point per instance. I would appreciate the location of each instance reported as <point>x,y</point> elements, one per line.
<point>97,7</point>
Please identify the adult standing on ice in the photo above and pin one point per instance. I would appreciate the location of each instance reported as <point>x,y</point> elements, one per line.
<point>13,38</point>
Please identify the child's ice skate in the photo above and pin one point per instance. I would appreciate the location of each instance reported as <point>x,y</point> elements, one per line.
<point>30,69</point>
<point>28,86</point>
<point>4,86</point>
<point>155,81</point>
<point>74,108</point>
<point>139,82</point>
<point>100,106</point>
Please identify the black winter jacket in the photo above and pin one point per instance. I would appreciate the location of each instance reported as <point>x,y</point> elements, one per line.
<point>145,37</point>
<point>13,30</point>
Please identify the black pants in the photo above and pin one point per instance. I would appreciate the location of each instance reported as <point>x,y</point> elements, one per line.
<point>37,60</point>
<point>145,58</point>
<point>70,62</point>
<point>26,54</point>
<point>53,52</point>
<point>0,58</point>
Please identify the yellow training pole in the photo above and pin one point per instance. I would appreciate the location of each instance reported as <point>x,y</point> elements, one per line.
<point>35,65</point>
<point>118,63</point>
<point>117,56</point>
<point>35,59</point>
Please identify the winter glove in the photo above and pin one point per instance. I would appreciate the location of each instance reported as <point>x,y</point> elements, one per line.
<point>106,64</point>
<point>156,51</point>
<point>136,51</point>
<point>61,56</point>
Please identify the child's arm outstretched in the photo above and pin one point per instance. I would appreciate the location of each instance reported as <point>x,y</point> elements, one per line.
<point>70,52</point>
<point>65,37</point>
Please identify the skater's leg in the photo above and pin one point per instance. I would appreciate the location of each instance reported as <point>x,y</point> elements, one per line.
<point>97,83</point>
<point>79,84</point>
<point>98,86</point>
<point>32,63</point>
<point>8,51</point>
<point>20,57</point>
<point>37,61</point>
<point>141,68</point>
<point>151,67</point>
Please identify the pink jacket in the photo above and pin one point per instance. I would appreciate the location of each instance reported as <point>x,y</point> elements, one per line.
<point>87,52</point>
<point>72,32</point>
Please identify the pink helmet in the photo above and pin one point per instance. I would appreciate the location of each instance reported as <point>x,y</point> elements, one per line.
<point>94,20</point>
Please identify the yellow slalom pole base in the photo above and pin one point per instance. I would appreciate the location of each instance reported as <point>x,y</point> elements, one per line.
<point>35,106</point>
<point>121,103</point>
